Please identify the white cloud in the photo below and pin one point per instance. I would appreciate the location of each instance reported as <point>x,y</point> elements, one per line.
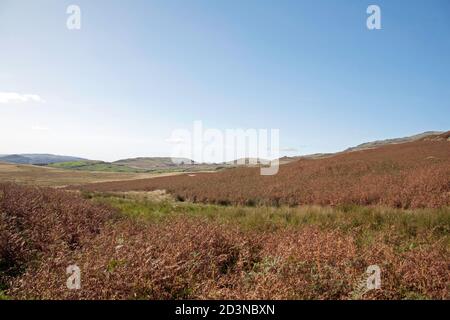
<point>14,97</point>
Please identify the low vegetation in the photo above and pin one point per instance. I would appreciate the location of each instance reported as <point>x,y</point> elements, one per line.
<point>150,246</point>
<point>409,175</point>
<point>45,176</point>
<point>88,165</point>
<point>158,206</point>
<point>138,165</point>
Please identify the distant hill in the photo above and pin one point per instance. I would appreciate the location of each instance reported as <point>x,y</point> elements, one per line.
<point>37,159</point>
<point>284,160</point>
<point>168,164</point>
<point>50,176</point>
<point>414,174</point>
<point>378,143</point>
<point>440,137</point>
<point>15,158</point>
<point>140,165</point>
<point>428,135</point>
<point>91,165</point>
<point>155,162</point>
<point>248,162</point>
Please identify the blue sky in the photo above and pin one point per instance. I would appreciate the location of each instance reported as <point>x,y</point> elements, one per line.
<point>138,70</point>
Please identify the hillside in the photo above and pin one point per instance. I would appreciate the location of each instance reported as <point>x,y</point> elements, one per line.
<point>15,158</point>
<point>248,162</point>
<point>379,143</point>
<point>284,160</point>
<point>138,165</point>
<point>366,145</point>
<point>167,164</point>
<point>143,250</point>
<point>411,174</point>
<point>155,162</point>
<point>100,166</point>
<point>47,176</point>
<point>37,159</point>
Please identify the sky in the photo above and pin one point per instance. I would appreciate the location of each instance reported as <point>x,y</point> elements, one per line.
<point>138,70</point>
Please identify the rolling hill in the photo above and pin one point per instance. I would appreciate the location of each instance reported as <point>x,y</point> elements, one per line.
<point>155,162</point>
<point>406,175</point>
<point>37,159</point>
<point>167,164</point>
<point>379,143</point>
<point>92,165</point>
<point>57,177</point>
<point>138,165</point>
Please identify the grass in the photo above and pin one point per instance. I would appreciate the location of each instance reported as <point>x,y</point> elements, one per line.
<point>96,166</point>
<point>403,231</point>
<point>3,296</point>
<point>57,177</point>
<point>409,176</point>
<point>416,226</point>
<point>101,166</point>
<point>153,247</point>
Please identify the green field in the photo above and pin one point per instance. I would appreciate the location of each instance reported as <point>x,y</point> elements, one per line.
<point>59,177</point>
<point>96,166</point>
<point>101,166</point>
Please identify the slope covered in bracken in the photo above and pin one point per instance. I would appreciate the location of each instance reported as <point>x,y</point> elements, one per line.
<point>408,175</point>
<point>43,231</point>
